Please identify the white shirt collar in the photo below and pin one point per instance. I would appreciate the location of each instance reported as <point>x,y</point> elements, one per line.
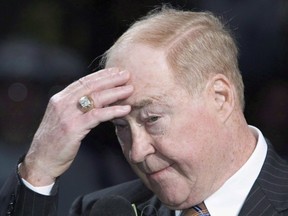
<point>229,199</point>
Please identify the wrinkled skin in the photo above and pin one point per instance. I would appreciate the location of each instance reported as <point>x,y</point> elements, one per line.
<point>183,147</point>
<point>64,125</point>
<point>180,145</point>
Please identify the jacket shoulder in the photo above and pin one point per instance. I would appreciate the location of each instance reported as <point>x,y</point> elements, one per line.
<point>269,194</point>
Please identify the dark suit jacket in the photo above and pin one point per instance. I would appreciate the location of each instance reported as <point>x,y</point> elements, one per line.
<point>268,196</point>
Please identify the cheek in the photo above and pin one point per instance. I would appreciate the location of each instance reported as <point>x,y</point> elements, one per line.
<point>198,146</point>
<point>189,141</point>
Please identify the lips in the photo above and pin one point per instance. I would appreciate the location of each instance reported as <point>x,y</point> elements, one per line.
<point>157,172</point>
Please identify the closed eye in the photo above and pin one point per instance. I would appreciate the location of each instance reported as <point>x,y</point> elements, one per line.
<point>152,119</point>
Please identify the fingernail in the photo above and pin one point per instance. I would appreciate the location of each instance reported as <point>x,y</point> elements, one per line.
<point>125,108</point>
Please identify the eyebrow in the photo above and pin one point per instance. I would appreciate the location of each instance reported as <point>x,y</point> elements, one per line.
<point>145,102</point>
<point>141,104</point>
<point>159,99</point>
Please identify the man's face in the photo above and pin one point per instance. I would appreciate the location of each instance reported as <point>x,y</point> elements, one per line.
<point>169,138</point>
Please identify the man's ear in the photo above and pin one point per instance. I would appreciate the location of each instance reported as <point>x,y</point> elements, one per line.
<point>222,95</point>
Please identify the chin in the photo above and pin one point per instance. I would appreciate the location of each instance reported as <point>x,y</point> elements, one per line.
<point>171,188</point>
<point>174,195</point>
<point>173,202</point>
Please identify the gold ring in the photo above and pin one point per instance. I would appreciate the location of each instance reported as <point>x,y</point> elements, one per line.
<point>86,103</point>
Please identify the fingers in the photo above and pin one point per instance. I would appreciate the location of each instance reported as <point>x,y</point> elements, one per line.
<point>104,79</point>
<point>97,81</point>
<point>105,87</point>
<point>64,125</point>
<point>108,92</point>
<point>109,96</point>
<point>104,114</point>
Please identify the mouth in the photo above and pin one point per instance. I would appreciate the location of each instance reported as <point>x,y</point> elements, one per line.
<point>158,173</point>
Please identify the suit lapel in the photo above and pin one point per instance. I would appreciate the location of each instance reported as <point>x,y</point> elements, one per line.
<point>269,194</point>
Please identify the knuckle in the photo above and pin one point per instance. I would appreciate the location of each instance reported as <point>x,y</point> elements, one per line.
<point>54,101</point>
<point>98,116</point>
<point>83,81</point>
<point>97,98</point>
<point>56,104</point>
<point>95,113</point>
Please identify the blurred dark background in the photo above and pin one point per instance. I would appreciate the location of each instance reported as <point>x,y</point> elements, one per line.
<point>45,45</point>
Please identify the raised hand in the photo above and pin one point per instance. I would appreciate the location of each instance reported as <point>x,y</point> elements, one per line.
<point>65,124</point>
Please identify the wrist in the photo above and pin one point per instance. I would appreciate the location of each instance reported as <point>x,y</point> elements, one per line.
<point>43,190</point>
<point>34,176</point>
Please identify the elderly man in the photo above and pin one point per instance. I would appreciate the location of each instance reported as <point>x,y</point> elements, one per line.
<point>172,88</point>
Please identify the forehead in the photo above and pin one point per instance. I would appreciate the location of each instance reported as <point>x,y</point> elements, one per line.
<point>151,76</point>
<point>142,61</point>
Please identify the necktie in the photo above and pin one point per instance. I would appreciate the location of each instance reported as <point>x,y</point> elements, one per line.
<point>198,210</point>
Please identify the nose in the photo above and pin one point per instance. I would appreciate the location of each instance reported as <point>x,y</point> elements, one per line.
<point>142,144</point>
